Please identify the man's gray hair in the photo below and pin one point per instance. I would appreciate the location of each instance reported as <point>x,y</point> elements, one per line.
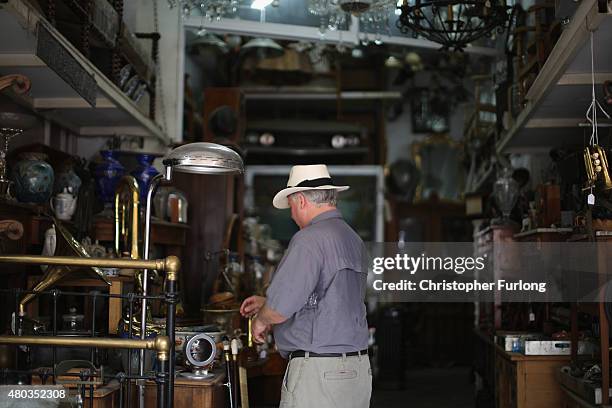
<point>319,197</point>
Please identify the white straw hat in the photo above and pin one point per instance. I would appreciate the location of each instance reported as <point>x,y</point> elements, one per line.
<point>302,178</point>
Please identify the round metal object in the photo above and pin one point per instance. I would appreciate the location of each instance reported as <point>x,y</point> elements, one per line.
<point>197,374</point>
<point>204,158</point>
<point>200,350</point>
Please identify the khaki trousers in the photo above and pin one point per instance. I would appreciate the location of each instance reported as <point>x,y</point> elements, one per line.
<point>327,382</point>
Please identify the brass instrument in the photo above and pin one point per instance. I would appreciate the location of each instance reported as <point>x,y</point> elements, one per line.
<point>58,271</point>
<point>596,166</point>
<point>126,217</point>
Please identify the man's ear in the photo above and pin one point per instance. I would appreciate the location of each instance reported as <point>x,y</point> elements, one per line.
<point>303,200</point>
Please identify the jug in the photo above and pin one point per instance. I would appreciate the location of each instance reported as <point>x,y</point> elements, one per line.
<point>64,205</point>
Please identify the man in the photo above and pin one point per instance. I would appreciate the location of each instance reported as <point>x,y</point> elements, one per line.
<point>315,302</point>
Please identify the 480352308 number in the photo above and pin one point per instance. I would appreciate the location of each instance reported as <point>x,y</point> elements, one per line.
<point>36,394</point>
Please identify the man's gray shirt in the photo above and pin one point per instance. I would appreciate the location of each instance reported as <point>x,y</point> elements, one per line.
<point>319,286</point>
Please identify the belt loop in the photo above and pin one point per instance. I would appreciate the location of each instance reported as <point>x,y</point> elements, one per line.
<point>306,355</point>
<point>359,354</point>
<point>343,357</point>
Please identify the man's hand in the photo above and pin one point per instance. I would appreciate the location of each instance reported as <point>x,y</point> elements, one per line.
<point>259,331</point>
<point>252,305</point>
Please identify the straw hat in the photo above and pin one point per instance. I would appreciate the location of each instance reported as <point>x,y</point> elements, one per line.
<point>303,178</point>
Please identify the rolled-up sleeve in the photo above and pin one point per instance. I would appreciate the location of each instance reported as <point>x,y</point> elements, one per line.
<point>294,280</point>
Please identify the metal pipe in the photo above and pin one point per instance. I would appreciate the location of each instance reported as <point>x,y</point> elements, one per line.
<point>172,294</point>
<point>145,278</point>
<point>228,372</point>
<point>164,264</point>
<point>160,344</point>
<point>54,332</point>
<point>161,380</point>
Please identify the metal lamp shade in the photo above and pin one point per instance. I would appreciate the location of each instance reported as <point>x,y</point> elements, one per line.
<point>204,158</point>
<point>209,41</point>
<point>263,48</point>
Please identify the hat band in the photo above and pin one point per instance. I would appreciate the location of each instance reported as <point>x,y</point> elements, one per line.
<point>323,181</point>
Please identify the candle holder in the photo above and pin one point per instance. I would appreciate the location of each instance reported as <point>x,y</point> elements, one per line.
<point>11,125</point>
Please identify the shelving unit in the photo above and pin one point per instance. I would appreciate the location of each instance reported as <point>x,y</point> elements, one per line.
<point>560,95</point>
<point>316,93</point>
<point>67,88</point>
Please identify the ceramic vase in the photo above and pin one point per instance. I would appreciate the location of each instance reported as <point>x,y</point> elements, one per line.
<point>33,178</point>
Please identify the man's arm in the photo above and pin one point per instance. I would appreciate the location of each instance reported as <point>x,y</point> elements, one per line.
<point>264,320</point>
<point>269,316</point>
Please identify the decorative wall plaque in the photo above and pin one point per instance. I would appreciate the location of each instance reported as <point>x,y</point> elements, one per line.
<point>65,65</point>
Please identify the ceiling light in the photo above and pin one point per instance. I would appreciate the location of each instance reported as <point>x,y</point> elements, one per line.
<point>453,23</point>
<point>393,62</point>
<point>263,48</point>
<point>260,4</point>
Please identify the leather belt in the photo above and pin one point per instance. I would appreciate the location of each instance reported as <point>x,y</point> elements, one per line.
<point>302,353</point>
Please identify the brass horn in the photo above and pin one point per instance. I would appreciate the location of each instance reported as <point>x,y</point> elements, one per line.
<point>66,245</point>
<point>127,196</point>
<point>596,166</point>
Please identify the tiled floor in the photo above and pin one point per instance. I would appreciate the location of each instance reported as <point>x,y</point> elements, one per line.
<point>429,388</point>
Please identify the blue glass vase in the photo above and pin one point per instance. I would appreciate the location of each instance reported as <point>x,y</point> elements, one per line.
<point>107,174</point>
<point>33,178</point>
<point>143,174</point>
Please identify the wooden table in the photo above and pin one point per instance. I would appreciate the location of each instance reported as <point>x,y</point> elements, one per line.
<point>527,381</point>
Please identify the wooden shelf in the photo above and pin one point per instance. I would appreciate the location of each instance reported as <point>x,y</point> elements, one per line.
<point>560,95</point>
<point>67,88</point>
<point>162,232</point>
<point>316,93</point>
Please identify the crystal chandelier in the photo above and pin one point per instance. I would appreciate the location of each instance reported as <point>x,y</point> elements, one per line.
<point>334,14</point>
<point>453,23</point>
<point>211,9</point>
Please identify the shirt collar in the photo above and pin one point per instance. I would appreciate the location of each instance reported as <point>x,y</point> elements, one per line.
<point>326,216</point>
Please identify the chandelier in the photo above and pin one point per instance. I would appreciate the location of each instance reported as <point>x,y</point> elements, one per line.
<point>453,23</point>
<point>211,9</point>
<point>373,15</point>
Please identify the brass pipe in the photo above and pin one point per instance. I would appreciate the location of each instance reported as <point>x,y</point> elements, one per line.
<point>130,185</point>
<point>160,344</point>
<point>170,264</point>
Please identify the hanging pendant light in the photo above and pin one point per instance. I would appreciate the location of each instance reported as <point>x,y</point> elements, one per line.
<point>208,42</point>
<point>263,48</point>
<point>453,23</point>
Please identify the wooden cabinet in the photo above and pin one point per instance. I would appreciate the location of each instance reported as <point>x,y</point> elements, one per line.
<point>527,381</point>
<point>188,393</point>
<point>488,243</point>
